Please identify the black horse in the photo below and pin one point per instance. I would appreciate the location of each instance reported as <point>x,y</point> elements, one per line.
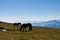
<point>16,25</point>
<point>24,26</point>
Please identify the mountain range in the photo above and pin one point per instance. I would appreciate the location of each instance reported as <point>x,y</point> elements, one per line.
<point>51,24</point>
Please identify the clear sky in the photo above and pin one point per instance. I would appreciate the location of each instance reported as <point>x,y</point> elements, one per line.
<point>29,10</point>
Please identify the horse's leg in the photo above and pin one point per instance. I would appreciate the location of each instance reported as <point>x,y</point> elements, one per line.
<point>20,28</point>
<point>25,29</point>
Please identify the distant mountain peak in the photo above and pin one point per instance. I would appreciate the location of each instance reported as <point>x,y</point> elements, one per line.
<point>50,23</point>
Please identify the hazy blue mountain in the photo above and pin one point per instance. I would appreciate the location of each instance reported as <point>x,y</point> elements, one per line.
<point>51,23</point>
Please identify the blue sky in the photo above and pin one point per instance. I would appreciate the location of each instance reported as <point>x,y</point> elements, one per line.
<point>29,10</point>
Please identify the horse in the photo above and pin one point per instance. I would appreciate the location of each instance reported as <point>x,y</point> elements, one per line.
<point>24,26</point>
<point>17,25</point>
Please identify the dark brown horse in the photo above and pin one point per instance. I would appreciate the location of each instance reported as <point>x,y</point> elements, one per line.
<point>24,26</point>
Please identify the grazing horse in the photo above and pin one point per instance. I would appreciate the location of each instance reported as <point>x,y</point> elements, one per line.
<point>17,25</point>
<point>24,26</point>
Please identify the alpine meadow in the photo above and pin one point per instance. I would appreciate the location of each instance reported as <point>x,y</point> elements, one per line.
<point>29,19</point>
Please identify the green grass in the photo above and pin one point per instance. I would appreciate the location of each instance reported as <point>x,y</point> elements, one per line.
<point>38,33</point>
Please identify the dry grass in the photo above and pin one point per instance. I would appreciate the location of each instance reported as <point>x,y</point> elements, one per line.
<point>37,33</point>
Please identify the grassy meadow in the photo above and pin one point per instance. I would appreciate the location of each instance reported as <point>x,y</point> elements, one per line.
<point>38,33</point>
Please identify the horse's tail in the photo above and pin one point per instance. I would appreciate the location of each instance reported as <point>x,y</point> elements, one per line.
<point>30,27</point>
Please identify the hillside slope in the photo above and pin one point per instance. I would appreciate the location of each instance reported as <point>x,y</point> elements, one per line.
<point>37,33</point>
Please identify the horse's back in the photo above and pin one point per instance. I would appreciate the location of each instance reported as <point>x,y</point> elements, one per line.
<point>25,25</point>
